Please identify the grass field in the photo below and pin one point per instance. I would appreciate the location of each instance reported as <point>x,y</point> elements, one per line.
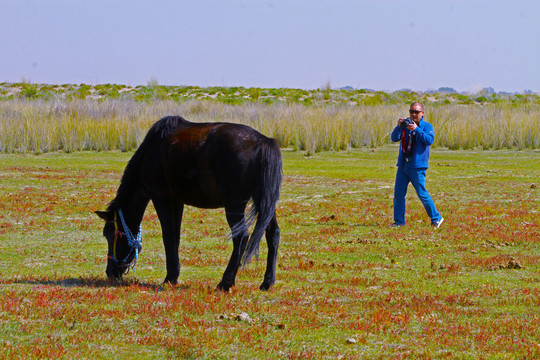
<point>46,118</point>
<point>347,285</point>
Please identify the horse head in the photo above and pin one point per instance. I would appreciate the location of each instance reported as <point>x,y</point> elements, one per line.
<point>123,247</point>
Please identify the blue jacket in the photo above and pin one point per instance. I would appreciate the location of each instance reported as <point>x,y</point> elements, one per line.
<point>424,138</point>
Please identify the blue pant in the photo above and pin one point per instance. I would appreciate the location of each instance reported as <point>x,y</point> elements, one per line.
<point>407,174</point>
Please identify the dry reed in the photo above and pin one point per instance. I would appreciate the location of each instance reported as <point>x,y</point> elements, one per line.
<point>37,126</point>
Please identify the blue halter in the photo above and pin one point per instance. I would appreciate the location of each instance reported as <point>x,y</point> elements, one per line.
<point>134,242</point>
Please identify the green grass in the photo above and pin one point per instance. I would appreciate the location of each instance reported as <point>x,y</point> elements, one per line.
<point>347,285</point>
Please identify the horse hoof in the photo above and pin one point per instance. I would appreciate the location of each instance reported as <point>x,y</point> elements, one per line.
<point>265,286</point>
<point>224,288</point>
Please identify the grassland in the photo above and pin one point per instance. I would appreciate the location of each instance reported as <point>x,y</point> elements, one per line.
<point>42,118</point>
<point>347,285</point>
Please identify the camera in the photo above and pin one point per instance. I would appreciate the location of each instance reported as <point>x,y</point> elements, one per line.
<point>406,122</point>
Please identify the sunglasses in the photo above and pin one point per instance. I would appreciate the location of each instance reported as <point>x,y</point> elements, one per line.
<point>415,111</point>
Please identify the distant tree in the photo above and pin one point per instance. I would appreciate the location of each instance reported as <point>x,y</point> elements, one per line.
<point>447,90</point>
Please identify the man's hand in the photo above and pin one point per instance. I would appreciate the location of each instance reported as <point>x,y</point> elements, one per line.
<point>412,126</point>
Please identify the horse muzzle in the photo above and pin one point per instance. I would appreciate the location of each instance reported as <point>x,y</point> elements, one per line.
<point>115,269</point>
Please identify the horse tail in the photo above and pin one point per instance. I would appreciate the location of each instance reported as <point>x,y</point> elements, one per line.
<point>265,196</point>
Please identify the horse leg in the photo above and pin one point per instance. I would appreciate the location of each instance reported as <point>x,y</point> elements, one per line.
<point>272,239</point>
<point>237,223</point>
<point>170,217</point>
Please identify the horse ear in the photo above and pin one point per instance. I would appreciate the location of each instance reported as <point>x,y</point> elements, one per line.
<point>105,215</point>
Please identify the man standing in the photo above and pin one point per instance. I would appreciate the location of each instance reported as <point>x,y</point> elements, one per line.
<point>416,136</point>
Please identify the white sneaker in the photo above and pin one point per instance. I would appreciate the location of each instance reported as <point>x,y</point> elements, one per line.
<point>437,224</point>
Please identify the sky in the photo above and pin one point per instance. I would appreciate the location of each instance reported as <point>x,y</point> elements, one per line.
<point>383,45</point>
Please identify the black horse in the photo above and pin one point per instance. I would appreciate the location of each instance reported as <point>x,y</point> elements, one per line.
<point>207,165</point>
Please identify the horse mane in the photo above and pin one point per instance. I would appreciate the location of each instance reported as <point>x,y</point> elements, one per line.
<point>159,131</point>
<point>165,127</point>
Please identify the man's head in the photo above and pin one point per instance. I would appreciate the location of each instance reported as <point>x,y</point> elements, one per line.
<point>416,111</point>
